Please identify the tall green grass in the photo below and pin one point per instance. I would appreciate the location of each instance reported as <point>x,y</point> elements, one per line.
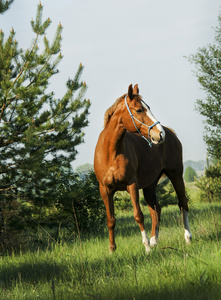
<point>84,269</point>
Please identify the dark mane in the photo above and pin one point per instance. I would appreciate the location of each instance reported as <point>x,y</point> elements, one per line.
<point>109,112</point>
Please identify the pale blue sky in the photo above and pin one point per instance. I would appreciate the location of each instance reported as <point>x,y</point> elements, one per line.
<point>122,42</point>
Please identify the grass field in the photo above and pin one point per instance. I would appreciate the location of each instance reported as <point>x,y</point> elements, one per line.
<point>84,269</point>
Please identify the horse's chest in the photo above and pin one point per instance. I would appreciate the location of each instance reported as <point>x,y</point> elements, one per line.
<point>117,173</point>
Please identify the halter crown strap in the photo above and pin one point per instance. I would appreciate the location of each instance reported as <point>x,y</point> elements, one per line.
<point>149,127</point>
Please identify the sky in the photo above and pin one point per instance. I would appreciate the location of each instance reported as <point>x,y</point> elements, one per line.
<point>123,42</point>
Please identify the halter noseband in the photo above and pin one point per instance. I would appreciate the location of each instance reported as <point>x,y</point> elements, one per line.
<point>149,127</point>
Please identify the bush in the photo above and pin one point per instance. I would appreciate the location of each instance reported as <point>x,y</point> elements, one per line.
<point>122,201</point>
<point>80,204</point>
<point>166,194</point>
<point>210,184</point>
<point>190,174</point>
<point>77,206</point>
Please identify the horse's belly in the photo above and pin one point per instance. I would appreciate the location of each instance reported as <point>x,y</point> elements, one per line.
<point>148,172</point>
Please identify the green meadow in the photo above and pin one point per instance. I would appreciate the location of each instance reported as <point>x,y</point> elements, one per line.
<point>82,267</point>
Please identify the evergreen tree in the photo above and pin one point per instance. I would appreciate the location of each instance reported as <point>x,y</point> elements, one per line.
<point>38,133</point>
<point>4,5</point>
<point>208,64</point>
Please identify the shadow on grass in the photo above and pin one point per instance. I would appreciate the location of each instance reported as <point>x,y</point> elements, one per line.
<point>30,272</point>
<point>188,291</point>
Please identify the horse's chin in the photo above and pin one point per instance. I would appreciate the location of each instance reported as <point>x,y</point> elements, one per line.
<point>156,142</point>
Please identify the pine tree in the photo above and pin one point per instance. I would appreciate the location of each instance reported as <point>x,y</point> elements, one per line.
<point>38,133</point>
<point>4,5</point>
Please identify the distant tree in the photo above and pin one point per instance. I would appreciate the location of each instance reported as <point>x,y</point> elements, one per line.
<point>38,133</point>
<point>196,165</point>
<point>190,174</point>
<point>84,169</point>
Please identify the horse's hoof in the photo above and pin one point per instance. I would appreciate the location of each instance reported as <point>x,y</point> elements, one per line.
<point>188,237</point>
<point>148,249</point>
<point>112,248</point>
<point>153,241</point>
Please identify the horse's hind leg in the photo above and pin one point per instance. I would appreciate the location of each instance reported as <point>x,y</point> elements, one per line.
<point>109,204</point>
<point>155,210</point>
<point>138,215</point>
<point>177,181</point>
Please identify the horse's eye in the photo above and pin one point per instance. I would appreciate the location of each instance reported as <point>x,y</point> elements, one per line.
<point>139,110</point>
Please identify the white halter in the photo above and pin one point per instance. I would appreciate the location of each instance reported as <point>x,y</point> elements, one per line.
<point>149,127</point>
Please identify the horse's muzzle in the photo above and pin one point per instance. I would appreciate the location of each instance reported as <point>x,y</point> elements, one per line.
<point>162,137</point>
<point>157,138</point>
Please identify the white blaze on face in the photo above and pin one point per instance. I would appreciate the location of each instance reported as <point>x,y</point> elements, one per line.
<point>154,120</point>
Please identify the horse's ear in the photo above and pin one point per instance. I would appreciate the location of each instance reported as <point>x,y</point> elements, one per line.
<point>136,90</point>
<point>130,92</point>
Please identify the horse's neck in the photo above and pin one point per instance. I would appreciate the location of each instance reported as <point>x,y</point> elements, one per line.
<point>114,137</point>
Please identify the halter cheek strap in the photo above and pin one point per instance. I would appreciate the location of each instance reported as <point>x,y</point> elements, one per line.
<point>149,127</point>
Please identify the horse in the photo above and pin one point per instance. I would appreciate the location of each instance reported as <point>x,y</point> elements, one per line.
<point>133,152</point>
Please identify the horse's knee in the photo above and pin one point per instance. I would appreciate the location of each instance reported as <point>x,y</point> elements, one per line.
<point>111,223</point>
<point>139,218</point>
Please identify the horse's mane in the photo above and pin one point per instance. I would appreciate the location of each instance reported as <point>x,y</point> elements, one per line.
<point>173,131</point>
<point>109,112</point>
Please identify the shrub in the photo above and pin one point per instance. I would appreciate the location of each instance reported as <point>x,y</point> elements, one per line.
<point>122,201</point>
<point>80,204</point>
<point>166,194</point>
<point>77,205</point>
<point>210,184</point>
<point>190,174</point>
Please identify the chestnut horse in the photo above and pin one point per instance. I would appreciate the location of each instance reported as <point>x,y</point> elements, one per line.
<point>124,161</point>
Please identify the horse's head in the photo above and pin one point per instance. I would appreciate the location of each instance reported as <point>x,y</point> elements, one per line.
<point>137,117</point>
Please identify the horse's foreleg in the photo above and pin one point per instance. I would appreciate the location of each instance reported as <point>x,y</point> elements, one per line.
<point>109,204</point>
<point>155,210</point>
<point>138,215</point>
